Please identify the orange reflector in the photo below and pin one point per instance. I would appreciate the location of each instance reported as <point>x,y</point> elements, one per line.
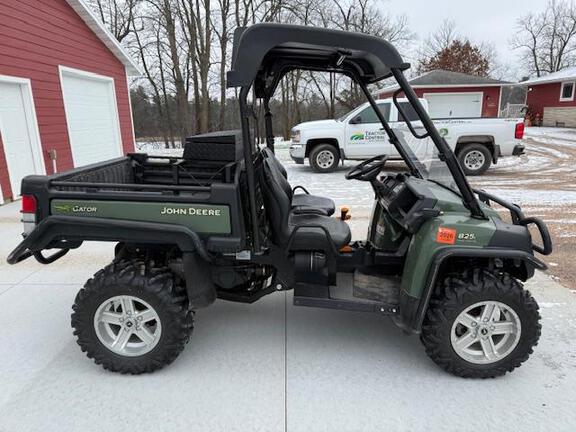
<point>446,235</point>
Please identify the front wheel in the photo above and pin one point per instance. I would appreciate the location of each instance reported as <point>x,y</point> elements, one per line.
<point>480,324</point>
<point>475,159</point>
<point>324,158</point>
<point>132,319</point>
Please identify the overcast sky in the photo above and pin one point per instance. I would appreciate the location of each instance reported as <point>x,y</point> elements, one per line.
<point>483,20</point>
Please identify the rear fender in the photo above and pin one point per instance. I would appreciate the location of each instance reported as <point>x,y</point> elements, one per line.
<point>66,232</point>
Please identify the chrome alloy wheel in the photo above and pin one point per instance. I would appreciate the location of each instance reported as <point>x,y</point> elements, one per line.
<point>485,332</point>
<point>325,159</point>
<point>127,325</point>
<point>474,160</point>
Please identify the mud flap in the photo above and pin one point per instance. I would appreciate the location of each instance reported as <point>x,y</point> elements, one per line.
<point>199,284</point>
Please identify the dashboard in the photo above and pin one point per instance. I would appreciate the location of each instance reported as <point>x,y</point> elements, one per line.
<point>408,202</point>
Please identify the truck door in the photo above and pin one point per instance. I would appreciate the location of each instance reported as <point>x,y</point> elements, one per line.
<point>397,122</point>
<point>364,135</point>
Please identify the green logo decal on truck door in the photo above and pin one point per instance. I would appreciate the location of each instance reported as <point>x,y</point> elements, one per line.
<point>202,218</point>
<point>357,137</point>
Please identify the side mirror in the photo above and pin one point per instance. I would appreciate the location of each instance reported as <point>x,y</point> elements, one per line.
<point>356,120</point>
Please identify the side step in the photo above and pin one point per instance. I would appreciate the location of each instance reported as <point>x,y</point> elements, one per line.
<point>355,292</point>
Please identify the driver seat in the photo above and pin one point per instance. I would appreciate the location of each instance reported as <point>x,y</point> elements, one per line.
<point>298,201</point>
<point>310,226</point>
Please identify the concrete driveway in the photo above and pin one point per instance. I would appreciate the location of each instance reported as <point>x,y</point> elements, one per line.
<point>269,366</point>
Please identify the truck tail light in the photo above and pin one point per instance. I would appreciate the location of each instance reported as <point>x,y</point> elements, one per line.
<point>519,132</point>
<point>29,207</point>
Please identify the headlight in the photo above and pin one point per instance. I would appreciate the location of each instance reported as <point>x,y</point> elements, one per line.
<point>295,136</point>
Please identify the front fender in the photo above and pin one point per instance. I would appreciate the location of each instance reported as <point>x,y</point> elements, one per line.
<point>413,309</point>
<point>454,234</point>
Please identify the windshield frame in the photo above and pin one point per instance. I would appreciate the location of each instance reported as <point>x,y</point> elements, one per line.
<point>445,153</point>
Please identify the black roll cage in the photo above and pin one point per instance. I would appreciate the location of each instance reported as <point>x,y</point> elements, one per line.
<point>363,67</point>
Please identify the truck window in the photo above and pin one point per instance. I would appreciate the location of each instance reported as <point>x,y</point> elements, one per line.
<point>408,111</point>
<point>368,115</point>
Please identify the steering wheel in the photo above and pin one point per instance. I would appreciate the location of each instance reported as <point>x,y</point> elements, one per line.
<point>367,170</point>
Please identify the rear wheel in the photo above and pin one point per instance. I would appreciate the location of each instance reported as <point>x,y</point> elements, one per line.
<point>132,319</point>
<point>475,159</point>
<point>324,158</point>
<point>480,324</point>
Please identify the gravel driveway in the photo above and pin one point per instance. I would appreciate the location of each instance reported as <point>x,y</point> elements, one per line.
<point>269,366</point>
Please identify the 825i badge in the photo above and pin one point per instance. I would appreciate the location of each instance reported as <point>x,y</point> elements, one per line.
<point>467,237</point>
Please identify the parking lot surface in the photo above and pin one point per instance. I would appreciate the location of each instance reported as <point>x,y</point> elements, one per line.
<point>269,366</point>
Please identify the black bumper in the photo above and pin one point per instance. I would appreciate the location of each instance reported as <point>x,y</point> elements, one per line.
<point>519,150</point>
<point>299,161</point>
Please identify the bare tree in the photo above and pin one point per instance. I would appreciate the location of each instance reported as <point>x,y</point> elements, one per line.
<point>118,15</point>
<point>547,39</point>
<point>184,48</point>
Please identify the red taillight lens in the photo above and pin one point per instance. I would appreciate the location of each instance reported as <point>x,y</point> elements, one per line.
<point>28,204</point>
<point>519,132</point>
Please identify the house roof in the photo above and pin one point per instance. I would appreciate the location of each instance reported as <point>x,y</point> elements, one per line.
<point>92,21</point>
<point>565,74</point>
<point>444,78</point>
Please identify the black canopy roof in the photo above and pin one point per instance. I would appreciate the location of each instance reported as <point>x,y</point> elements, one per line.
<point>264,51</point>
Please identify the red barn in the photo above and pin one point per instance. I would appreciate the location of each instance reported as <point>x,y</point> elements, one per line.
<point>454,94</point>
<point>551,98</point>
<point>64,98</point>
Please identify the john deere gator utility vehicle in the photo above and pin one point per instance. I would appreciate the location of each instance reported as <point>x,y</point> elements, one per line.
<point>224,222</point>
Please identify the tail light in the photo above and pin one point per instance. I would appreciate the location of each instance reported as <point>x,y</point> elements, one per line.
<point>519,132</point>
<point>28,204</point>
<point>29,207</point>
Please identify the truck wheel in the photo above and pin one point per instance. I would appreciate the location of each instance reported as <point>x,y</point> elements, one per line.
<point>480,324</point>
<point>324,158</point>
<point>475,159</point>
<point>131,319</point>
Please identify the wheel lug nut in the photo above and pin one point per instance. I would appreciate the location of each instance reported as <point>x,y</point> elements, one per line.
<point>474,323</point>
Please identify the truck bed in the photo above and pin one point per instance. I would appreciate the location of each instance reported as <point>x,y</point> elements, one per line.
<point>140,199</point>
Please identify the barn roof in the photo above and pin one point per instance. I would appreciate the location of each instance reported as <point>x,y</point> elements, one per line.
<point>565,74</point>
<point>444,78</point>
<point>92,21</point>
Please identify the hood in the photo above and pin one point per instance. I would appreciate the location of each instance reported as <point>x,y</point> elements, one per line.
<point>315,124</point>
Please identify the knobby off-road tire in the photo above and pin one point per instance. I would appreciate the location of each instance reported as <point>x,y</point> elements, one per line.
<point>475,159</point>
<point>149,290</point>
<point>458,292</point>
<point>324,158</point>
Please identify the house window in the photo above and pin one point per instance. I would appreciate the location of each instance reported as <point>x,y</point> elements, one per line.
<point>567,92</point>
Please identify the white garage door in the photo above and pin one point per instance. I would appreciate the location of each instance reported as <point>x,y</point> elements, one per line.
<point>451,105</point>
<point>19,133</point>
<point>92,117</point>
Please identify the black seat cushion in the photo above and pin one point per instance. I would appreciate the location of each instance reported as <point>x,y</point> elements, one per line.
<point>303,200</point>
<point>298,201</point>
<point>315,238</point>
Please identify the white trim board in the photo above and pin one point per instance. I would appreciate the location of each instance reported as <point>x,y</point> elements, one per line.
<point>93,22</point>
<point>568,99</point>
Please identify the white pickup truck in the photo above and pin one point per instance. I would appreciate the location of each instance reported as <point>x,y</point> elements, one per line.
<point>478,142</point>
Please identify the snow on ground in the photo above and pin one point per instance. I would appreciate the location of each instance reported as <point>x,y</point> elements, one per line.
<point>269,366</point>
<point>272,366</point>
